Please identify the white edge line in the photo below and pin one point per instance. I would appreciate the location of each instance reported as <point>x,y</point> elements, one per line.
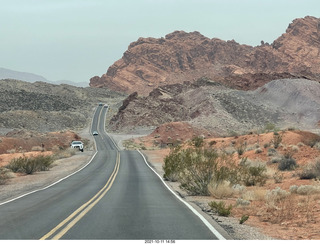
<point>54,183</point>
<point>210,227</point>
<point>11,200</point>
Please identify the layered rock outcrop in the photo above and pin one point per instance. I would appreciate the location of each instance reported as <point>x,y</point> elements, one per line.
<point>180,56</point>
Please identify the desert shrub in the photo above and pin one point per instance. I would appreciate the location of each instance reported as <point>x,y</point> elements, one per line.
<point>197,170</point>
<point>307,190</point>
<point>275,195</point>
<point>202,171</point>
<point>30,165</point>
<point>311,171</point>
<point>172,164</point>
<point>197,141</point>
<point>278,177</point>
<point>312,142</point>
<point>253,175</point>
<point>293,189</point>
<point>287,162</point>
<point>237,188</point>
<point>275,160</point>
<point>266,145</point>
<point>272,151</point>
<point>317,146</point>
<point>249,174</point>
<point>294,148</point>
<point>277,139</point>
<point>243,219</point>
<point>258,150</point>
<point>220,208</point>
<point>241,148</point>
<point>4,175</point>
<point>211,143</point>
<point>304,189</point>
<point>242,202</point>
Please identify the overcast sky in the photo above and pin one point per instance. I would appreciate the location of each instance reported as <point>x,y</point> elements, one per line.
<point>77,39</point>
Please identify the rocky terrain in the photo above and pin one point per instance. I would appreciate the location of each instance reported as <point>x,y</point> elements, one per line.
<point>180,56</point>
<point>222,110</point>
<point>45,107</point>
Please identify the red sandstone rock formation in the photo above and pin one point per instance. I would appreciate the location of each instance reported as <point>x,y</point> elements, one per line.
<point>180,56</point>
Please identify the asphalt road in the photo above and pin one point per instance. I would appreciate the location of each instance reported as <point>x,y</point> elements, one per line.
<point>116,196</point>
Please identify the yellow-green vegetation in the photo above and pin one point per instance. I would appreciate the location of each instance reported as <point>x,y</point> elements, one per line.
<point>30,165</point>
<point>199,169</point>
<point>220,208</point>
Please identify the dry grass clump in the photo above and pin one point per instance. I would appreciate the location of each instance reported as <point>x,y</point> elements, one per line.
<point>222,190</point>
<point>5,174</point>
<point>63,153</point>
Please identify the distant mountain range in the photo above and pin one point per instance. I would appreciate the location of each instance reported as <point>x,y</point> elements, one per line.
<point>29,77</point>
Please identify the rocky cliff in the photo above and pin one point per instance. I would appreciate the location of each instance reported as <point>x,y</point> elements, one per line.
<point>222,110</point>
<point>180,56</point>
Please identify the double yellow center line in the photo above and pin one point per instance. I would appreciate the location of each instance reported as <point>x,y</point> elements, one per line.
<point>62,228</point>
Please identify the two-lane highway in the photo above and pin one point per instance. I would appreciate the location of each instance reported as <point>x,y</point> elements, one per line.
<point>116,196</point>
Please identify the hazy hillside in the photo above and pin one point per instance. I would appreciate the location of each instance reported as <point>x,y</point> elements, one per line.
<point>17,75</point>
<point>44,107</point>
<point>30,77</point>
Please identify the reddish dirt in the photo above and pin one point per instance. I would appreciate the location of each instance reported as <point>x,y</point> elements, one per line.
<point>26,141</point>
<point>19,143</point>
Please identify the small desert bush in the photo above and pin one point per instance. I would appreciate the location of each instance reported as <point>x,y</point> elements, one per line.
<point>250,173</point>
<point>220,208</point>
<point>197,170</point>
<point>200,171</point>
<point>276,195</point>
<point>242,202</point>
<point>272,152</point>
<point>172,164</point>
<point>243,219</point>
<point>313,142</point>
<point>311,171</point>
<point>30,165</point>
<point>304,189</point>
<point>4,175</point>
<point>197,141</point>
<point>287,162</point>
<point>241,147</point>
<point>317,146</point>
<point>277,139</point>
